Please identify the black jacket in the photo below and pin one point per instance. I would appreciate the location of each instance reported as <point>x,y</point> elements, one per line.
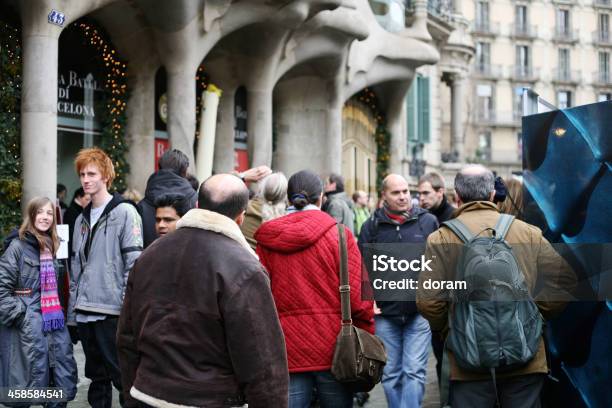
<point>380,229</point>
<point>70,216</point>
<point>160,183</point>
<point>444,212</point>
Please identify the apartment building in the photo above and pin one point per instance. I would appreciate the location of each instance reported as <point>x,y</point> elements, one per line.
<point>559,48</point>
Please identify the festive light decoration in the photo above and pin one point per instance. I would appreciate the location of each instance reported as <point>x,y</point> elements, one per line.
<point>202,81</point>
<point>114,102</point>
<point>10,107</point>
<point>382,136</point>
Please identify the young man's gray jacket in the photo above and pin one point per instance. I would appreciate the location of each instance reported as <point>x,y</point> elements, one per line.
<point>103,257</point>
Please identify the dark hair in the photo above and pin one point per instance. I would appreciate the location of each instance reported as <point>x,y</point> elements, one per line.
<point>78,193</point>
<point>174,160</point>
<point>176,201</point>
<point>474,187</point>
<point>60,188</point>
<point>339,180</point>
<point>231,206</point>
<point>193,180</point>
<point>304,188</point>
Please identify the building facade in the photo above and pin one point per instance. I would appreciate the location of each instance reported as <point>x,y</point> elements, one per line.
<point>301,84</point>
<point>559,48</point>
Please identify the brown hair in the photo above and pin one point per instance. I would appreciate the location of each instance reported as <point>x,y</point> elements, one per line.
<point>513,204</point>
<point>47,239</point>
<point>433,178</point>
<point>97,157</point>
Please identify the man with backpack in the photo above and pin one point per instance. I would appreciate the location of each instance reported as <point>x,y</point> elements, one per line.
<point>494,346</point>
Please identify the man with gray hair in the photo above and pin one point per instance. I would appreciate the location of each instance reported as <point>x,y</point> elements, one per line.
<point>536,261</point>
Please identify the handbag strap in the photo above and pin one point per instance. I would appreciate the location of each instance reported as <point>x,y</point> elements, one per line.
<point>345,288</point>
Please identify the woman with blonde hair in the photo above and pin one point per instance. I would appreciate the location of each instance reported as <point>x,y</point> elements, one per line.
<point>35,347</point>
<point>269,203</point>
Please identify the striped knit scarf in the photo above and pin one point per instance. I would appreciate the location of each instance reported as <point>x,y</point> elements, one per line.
<point>52,314</point>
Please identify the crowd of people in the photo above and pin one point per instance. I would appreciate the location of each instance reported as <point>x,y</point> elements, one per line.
<point>227,293</point>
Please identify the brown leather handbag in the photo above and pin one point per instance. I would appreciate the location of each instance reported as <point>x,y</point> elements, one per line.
<point>359,357</point>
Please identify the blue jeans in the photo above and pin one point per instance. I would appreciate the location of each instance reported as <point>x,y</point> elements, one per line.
<point>330,393</point>
<point>407,347</point>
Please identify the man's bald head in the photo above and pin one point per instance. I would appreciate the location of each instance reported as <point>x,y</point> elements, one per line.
<point>225,194</point>
<point>395,193</point>
<point>474,183</point>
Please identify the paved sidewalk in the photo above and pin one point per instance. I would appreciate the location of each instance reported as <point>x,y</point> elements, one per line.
<point>377,396</point>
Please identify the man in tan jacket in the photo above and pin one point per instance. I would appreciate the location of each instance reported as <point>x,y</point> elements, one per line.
<point>474,186</point>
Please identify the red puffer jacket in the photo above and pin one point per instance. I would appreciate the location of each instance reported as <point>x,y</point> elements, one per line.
<point>300,252</point>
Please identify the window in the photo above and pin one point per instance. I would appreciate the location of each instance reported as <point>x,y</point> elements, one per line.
<point>563,22</point>
<point>604,27</point>
<point>483,55</point>
<point>604,66</point>
<point>523,60</point>
<point>482,14</point>
<point>484,146</point>
<point>484,93</point>
<point>564,63</point>
<point>519,139</point>
<point>564,99</point>
<point>418,110</point>
<point>518,100</point>
<point>520,19</point>
<point>606,96</point>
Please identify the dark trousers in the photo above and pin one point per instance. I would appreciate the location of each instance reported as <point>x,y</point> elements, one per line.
<point>516,392</point>
<point>101,362</point>
<point>437,344</point>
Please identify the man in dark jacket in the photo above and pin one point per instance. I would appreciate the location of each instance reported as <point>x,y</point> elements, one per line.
<point>169,179</point>
<point>431,197</point>
<point>199,326</point>
<point>405,333</point>
<point>79,201</point>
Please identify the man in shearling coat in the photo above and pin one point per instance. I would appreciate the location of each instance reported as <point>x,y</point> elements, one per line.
<point>198,325</point>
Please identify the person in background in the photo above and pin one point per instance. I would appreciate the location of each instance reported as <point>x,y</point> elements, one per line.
<point>268,203</point>
<point>360,209</point>
<point>193,180</point>
<point>35,347</point>
<point>405,333</point>
<point>132,195</point>
<point>61,197</point>
<point>300,251</point>
<point>169,208</point>
<point>169,179</point>
<point>513,203</point>
<point>79,201</point>
<point>199,327</point>
<point>337,204</point>
<point>432,197</point>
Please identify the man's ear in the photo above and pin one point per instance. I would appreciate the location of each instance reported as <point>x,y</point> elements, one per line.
<point>240,219</point>
<point>458,201</point>
<point>492,196</point>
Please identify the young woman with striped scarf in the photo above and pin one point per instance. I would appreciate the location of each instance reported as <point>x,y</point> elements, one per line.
<point>35,347</point>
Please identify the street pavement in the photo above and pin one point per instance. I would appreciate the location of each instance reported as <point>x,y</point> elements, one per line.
<point>377,396</point>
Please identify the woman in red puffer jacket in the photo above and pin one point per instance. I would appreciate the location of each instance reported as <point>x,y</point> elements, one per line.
<point>300,251</point>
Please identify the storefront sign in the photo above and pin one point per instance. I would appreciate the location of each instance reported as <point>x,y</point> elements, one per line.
<point>161,146</point>
<point>75,95</point>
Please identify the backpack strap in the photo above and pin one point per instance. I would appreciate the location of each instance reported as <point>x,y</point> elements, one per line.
<point>459,229</point>
<point>503,225</point>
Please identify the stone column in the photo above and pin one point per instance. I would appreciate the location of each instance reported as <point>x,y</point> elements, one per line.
<point>181,109</point>
<point>457,98</point>
<point>140,127</point>
<point>259,125</point>
<point>224,142</point>
<point>395,113</point>
<point>39,103</point>
<point>333,159</point>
